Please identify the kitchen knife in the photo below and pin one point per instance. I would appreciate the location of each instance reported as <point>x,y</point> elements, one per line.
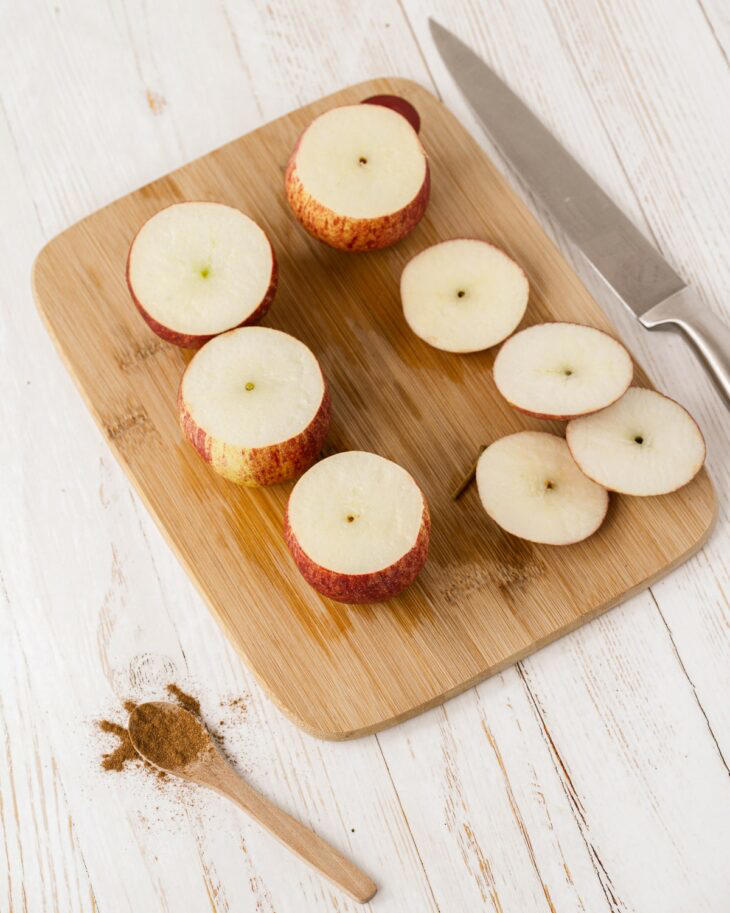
<point>619,252</point>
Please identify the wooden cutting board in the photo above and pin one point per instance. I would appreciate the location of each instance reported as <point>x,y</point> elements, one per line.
<point>484,599</point>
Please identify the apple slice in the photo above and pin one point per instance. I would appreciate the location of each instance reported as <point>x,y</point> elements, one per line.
<point>195,270</point>
<point>463,295</point>
<point>560,370</point>
<point>358,178</point>
<point>644,444</point>
<point>358,527</point>
<point>254,403</point>
<point>531,486</point>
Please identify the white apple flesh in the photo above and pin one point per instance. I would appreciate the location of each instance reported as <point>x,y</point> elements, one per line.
<point>463,295</point>
<point>644,444</point>
<point>358,526</point>
<point>254,404</point>
<point>531,486</point>
<point>560,370</point>
<point>358,178</point>
<point>195,270</point>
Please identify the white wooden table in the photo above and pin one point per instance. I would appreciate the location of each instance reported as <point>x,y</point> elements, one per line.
<point>591,777</point>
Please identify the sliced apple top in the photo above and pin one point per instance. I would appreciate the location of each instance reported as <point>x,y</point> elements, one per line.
<point>361,161</point>
<point>560,370</point>
<point>253,387</point>
<point>356,512</point>
<point>198,268</point>
<point>644,444</point>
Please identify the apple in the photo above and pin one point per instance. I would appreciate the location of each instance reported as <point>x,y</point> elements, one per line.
<point>531,486</point>
<point>463,295</point>
<point>358,527</point>
<point>399,104</point>
<point>197,269</point>
<point>561,370</point>
<point>358,178</point>
<point>644,444</point>
<point>254,404</point>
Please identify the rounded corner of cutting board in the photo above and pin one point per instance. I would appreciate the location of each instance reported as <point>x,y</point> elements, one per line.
<point>42,272</point>
<point>39,265</point>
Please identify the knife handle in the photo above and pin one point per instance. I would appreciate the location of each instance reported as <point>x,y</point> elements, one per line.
<point>709,334</point>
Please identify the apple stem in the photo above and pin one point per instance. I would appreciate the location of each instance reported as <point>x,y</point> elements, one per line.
<point>469,477</point>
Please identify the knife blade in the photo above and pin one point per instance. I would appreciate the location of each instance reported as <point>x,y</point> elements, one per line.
<point>630,265</point>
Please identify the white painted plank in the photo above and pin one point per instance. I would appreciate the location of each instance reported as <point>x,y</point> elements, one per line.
<point>487,807</point>
<point>717,14</point>
<point>41,865</point>
<point>573,782</point>
<point>647,781</point>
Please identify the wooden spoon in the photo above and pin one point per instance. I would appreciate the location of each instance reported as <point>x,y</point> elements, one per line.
<point>187,751</point>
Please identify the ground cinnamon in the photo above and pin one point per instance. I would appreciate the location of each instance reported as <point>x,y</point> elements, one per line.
<point>185,700</point>
<point>123,753</point>
<point>168,736</point>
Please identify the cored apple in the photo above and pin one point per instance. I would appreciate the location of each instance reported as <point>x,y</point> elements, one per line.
<point>463,295</point>
<point>254,404</point>
<point>197,269</point>
<point>531,486</point>
<point>560,370</point>
<point>358,178</point>
<point>358,526</point>
<point>643,444</point>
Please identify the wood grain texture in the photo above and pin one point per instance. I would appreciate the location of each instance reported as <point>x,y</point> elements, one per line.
<point>101,610</point>
<point>485,598</point>
<point>210,769</point>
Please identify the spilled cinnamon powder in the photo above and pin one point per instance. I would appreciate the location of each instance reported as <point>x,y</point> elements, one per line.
<point>185,700</point>
<point>123,753</point>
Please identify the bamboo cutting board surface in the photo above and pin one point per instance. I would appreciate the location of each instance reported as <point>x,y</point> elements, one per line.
<point>485,599</point>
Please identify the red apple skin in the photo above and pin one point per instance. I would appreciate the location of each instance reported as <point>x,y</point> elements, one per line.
<point>195,341</point>
<point>260,466</point>
<point>349,234</point>
<point>563,418</point>
<point>398,104</point>
<point>554,417</point>
<point>363,588</point>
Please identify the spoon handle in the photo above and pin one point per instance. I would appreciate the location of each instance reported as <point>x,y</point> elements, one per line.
<point>300,839</point>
